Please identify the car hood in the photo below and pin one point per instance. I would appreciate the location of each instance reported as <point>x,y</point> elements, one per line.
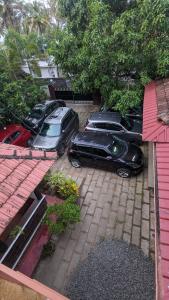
<point>133,154</point>
<point>45,143</point>
<point>137,126</point>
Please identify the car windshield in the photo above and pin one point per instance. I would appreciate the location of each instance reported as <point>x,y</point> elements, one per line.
<point>50,130</point>
<point>126,123</point>
<point>117,147</point>
<point>36,113</point>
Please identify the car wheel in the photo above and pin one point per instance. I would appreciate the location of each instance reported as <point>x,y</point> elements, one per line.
<point>61,150</point>
<point>75,163</point>
<point>123,172</point>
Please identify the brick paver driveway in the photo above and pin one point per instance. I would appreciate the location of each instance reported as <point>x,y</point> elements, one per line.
<point>111,207</point>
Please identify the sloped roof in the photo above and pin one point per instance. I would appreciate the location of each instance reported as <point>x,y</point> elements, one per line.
<point>162,91</point>
<point>153,129</point>
<point>19,175</point>
<point>162,157</point>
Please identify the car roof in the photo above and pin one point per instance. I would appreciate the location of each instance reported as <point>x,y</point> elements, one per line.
<point>105,117</point>
<point>44,104</point>
<point>92,139</point>
<point>57,115</point>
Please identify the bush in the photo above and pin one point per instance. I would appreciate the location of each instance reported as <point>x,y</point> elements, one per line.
<point>67,213</point>
<point>48,249</point>
<point>64,187</point>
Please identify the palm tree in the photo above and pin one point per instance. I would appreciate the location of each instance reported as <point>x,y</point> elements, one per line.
<point>37,18</point>
<point>11,14</point>
<point>55,16</point>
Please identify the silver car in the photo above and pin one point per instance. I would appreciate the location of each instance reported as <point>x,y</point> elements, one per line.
<point>113,123</point>
<point>57,130</point>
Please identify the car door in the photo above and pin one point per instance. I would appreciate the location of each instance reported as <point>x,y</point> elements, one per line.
<point>85,155</point>
<point>112,128</point>
<point>104,160</point>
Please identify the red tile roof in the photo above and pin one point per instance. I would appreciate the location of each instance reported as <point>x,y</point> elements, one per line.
<point>162,157</point>
<point>19,176</point>
<point>153,129</point>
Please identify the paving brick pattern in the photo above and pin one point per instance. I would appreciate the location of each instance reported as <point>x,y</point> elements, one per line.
<point>111,207</point>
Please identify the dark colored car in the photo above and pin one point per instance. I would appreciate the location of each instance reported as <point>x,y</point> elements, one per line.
<point>40,111</point>
<point>105,152</point>
<point>113,123</point>
<point>16,135</point>
<point>57,130</point>
<point>134,113</point>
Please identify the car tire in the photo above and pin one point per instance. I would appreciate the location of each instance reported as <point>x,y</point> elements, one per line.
<point>123,172</point>
<point>61,150</point>
<point>75,163</point>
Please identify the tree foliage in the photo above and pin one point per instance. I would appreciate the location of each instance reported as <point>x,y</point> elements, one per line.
<point>113,48</point>
<point>17,97</point>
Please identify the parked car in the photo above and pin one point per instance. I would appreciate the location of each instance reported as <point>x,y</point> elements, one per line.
<point>134,113</point>
<point>36,117</point>
<point>57,130</point>
<point>105,152</point>
<point>16,135</point>
<point>113,123</point>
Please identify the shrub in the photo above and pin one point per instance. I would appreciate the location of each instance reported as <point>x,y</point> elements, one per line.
<point>63,186</point>
<point>48,249</point>
<point>67,213</point>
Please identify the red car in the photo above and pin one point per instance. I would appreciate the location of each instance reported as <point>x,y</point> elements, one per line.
<point>16,135</point>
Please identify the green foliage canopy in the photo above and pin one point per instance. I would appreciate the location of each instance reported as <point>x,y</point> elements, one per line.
<point>113,49</point>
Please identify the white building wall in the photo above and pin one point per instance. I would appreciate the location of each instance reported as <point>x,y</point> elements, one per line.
<point>46,70</point>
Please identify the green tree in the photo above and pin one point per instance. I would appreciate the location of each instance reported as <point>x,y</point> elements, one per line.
<point>17,97</point>
<point>37,18</point>
<point>111,50</point>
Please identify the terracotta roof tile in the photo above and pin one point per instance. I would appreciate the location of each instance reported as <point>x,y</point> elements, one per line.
<point>162,90</point>
<point>20,173</point>
<point>153,129</point>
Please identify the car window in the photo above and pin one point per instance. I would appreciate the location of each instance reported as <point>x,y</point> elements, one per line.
<point>100,152</point>
<point>108,126</point>
<point>85,149</point>
<point>126,123</point>
<point>15,135</point>
<point>50,130</point>
<point>49,110</point>
<point>55,105</point>
<point>91,150</point>
<point>36,113</point>
<point>7,141</point>
<point>66,121</point>
<point>117,147</point>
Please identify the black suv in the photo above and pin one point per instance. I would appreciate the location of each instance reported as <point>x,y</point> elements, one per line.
<point>35,118</point>
<point>113,123</point>
<point>57,130</point>
<point>105,152</point>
